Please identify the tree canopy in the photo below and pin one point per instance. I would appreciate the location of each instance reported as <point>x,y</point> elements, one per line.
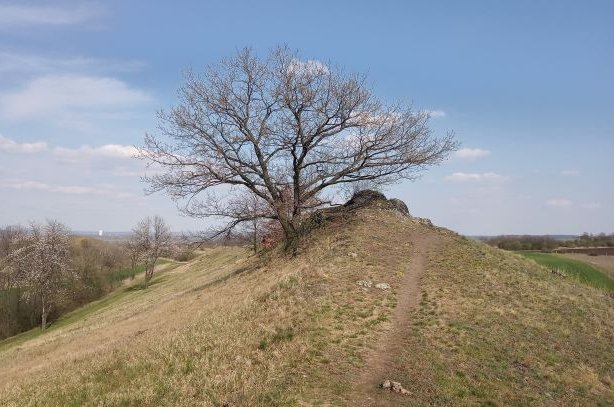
<point>286,131</point>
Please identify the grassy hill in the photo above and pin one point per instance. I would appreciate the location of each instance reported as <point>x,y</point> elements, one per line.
<point>461,324</point>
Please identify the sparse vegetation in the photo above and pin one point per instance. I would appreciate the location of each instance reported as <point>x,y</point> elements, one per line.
<point>491,328</point>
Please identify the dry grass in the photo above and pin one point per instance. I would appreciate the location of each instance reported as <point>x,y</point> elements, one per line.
<point>222,328</point>
<point>228,327</point>
<point>495,329</point>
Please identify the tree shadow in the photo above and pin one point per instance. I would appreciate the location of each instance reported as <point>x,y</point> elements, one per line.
<point>141,286</point>
<point>241,270</point>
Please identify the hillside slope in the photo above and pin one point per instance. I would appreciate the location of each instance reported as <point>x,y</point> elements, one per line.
<point>462,324</point>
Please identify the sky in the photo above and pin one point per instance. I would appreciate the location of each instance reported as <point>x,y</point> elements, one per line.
<point>526,86</point>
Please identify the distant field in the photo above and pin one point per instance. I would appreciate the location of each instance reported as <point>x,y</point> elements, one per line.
<point>605,263</point>
<point>581,270</point>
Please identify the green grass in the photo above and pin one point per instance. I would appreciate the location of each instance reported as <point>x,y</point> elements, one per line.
<point>126,273</point>
<point>584,272</point>
<point>90,308</point>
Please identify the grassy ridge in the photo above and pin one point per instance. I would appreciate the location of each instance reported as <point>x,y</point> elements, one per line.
<point>492,328</point>
<point>584,272</point>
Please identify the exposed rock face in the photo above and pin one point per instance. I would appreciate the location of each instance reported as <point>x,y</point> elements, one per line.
<point>361,199</point>
<point>424,221</point>
<point>399,206</point>
<point>368,197</point>
<point>364,198</point>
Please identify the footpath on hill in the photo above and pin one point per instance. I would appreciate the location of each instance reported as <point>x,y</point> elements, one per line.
<point>383,363</point>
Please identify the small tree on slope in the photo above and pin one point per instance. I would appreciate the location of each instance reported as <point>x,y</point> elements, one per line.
<point>150,237</point>
<point>41,263</point>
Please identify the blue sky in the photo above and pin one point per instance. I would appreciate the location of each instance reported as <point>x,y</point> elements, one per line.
<point>526,85</point>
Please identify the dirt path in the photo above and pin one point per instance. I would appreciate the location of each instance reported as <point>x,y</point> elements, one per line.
<point>382,362</point>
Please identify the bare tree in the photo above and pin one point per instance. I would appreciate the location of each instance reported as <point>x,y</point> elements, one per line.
<point>254,207</point>
<point>285,130</point>
<point>150,238</point>
<point>40,262</point>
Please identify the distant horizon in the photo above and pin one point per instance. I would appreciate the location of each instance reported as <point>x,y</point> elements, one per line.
<point>95,233</point>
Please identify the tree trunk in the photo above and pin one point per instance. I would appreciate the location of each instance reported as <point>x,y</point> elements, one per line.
<point>255,239</point>
<point>149,270</point>
<point>291,237</point>
<point>44,313</point>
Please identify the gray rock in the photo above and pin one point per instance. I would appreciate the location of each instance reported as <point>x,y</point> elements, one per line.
<point>395,387</point>
<point>364,198</point>
<point>383,286</point>
<point>365,283</point>
<point>352,255</point>
<point>399,206</point>
<point>424,221</point>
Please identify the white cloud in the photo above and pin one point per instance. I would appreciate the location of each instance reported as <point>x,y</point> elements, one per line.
<point>475,177</point>
<point>436,113</point>
<point>12,15</point>
<point>11,146</point>
<point>66,189</point>
<point>591,205</point>
<point>559,203</point>
<point>309,67</point>
<point>86,151</point>
<point>20,63</point>
<point>570,173</point>
<point>113,159</point>
<point>62,96</point>
<point>471,153</point>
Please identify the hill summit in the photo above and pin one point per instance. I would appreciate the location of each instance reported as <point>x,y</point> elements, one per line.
<point>378,308</point>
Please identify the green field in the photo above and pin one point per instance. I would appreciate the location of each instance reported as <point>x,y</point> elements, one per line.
<point>584,272</point>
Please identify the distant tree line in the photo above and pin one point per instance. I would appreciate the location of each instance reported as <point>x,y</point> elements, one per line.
<point>45,272</point>
<point>589,240</point>
<point>523,242</point>
<point>528,242</point>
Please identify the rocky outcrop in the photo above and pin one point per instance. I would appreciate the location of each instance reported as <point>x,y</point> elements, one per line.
<point>364,198</point>
<point>399,206</point>
<point>368,197</point>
